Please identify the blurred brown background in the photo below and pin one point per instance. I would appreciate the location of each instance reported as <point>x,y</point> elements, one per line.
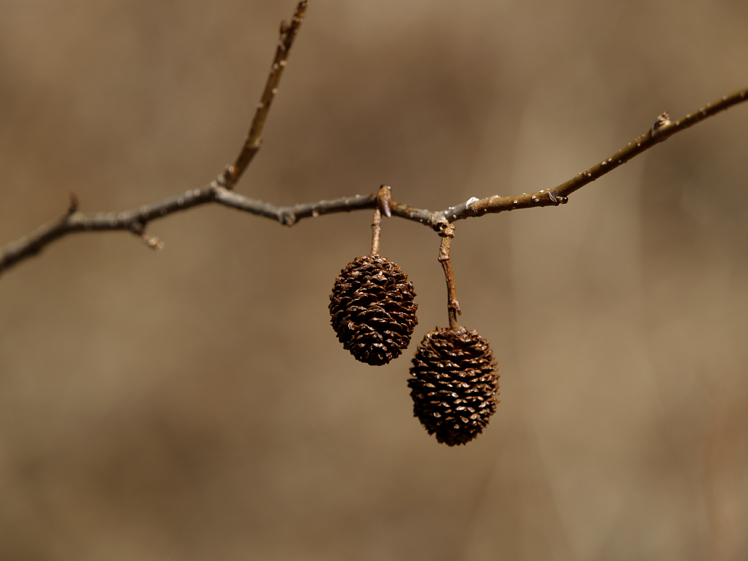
<point>194,404</point>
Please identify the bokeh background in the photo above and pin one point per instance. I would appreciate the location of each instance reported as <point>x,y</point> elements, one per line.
<point>194,404</point>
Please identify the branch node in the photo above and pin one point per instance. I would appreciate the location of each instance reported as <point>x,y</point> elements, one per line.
<point>557,199</point>
<point>439,221</point>
<point>471,202</point>
<point>287,218</point>
<point>225,178</point>
<point>663,121</point>
<point>446,230</point>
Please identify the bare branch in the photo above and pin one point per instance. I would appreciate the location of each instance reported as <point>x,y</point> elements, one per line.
<point>290,215</point>
<point>74,221</point>
<point>220,191</point>
<point>136,220</point>
<point>254,137</point>
<point>660,131</point>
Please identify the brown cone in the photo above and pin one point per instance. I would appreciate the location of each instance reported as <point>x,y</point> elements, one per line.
<point>454,384</point>
<point>373,310</point>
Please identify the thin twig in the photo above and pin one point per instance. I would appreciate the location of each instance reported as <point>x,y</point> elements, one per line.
<point>447,232</point>
<point>74,221</point>
<point>290,215</point>
<point>253,140</point>
<point>660,131</point>
<point>136,220</point>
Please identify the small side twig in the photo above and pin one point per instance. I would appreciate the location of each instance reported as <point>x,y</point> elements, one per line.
<point>253,141</point>
<point>151,241</point>
<point>74,202</point>
<point>447,232</point>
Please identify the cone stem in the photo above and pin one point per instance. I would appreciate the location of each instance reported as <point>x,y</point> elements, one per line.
<point>384,204</point>
<point>447,232</point>
<point>376,227</point>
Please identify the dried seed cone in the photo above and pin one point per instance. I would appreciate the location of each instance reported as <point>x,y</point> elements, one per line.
<point>454,385</point>
<point>373,310</point>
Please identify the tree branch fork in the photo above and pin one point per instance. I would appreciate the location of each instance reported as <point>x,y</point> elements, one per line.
<point>221,190</point>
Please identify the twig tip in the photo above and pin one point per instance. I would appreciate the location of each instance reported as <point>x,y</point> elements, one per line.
<point>153,242</point>
<point>74,202</point>
<point>384,200</point>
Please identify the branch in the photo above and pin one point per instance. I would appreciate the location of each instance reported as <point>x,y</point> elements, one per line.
<point>136,220</point>
<point>662,129</point>
<point>254,137</point>
<point>290,215</point>
<point>220,190</point>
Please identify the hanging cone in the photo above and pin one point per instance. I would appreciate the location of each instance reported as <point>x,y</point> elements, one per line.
<point>373,310</point>
<point>454,385</point>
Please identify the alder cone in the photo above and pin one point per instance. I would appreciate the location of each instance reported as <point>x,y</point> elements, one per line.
<point>454,385</point>
<point>373,310</point>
